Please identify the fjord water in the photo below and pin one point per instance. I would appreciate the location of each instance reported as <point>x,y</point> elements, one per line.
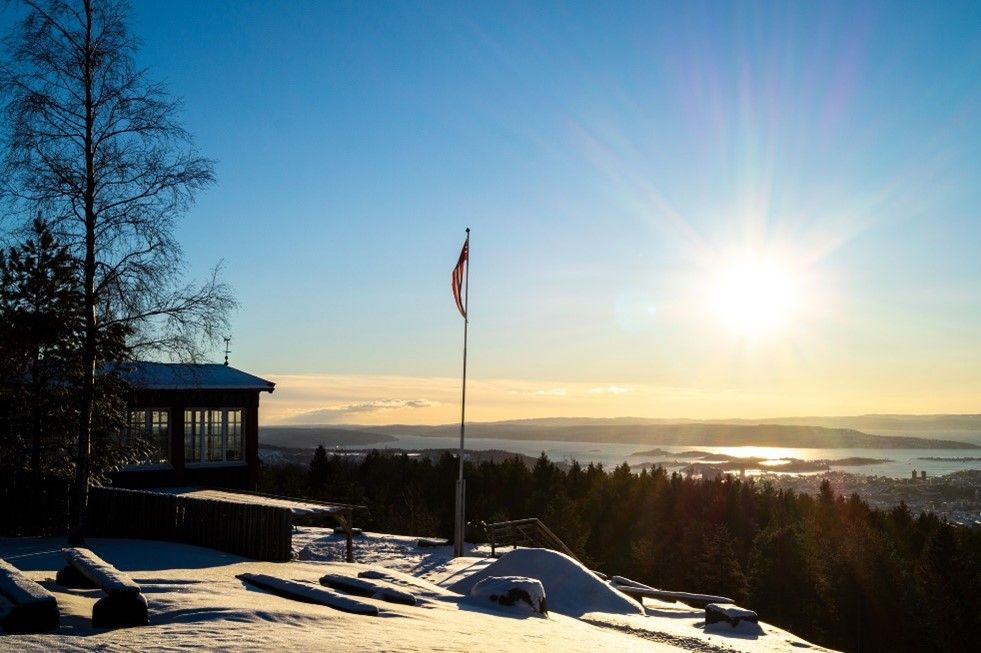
<point>904,461</point>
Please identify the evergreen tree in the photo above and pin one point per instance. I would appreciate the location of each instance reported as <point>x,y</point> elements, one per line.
<point>317,477</point>
<point>40,330</point>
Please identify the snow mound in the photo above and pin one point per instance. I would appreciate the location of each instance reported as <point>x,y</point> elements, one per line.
<point>518,592</point>
<point>571,588</point>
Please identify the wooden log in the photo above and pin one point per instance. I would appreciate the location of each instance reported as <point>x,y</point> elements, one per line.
<point>111,580</point>
<point>367,588</point>
<point>309,594</point>
<point>120,611</point>
<point>427,542</point>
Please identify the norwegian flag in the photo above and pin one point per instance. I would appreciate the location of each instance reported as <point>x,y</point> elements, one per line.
<point>456,279</point>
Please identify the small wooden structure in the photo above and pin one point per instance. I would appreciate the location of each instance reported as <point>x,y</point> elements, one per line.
<point>530,532</point>
<point>202,420</point>
<point>244,523</point>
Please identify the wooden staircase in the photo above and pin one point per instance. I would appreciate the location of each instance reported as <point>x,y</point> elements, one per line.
<point>530,532</point>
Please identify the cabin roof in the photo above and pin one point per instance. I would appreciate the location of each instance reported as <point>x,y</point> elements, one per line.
<point>183,376</point>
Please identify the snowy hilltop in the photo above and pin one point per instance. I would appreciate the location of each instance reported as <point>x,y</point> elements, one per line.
<point>201,599</point>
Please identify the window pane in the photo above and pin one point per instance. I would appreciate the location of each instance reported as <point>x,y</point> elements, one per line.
<point>135,425</point>
<point>234,446</point>
<point>136,422</point>
<point>192,420</point>
<point>213,449</point>
<point>160,435</point>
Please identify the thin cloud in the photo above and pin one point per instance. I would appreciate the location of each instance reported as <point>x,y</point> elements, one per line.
<point>330,414</point>
<point>544,392</point>
<point>610,390</point>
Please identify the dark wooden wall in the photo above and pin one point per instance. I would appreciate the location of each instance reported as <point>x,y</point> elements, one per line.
<point>237,476</point>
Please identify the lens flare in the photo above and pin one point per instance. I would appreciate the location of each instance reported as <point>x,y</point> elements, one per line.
<point>754,297</point>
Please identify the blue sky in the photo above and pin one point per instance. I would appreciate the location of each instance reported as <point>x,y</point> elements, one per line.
<point>614,160</point>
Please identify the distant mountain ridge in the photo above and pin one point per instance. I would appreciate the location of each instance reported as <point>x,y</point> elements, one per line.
<point>309,437</point>
<point>628,430</point>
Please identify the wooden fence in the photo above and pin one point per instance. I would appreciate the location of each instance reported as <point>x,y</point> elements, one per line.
<point>254,531</point>
<point>32,506</point>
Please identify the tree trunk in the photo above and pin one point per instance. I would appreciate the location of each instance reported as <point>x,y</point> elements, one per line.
<point>79,503</point>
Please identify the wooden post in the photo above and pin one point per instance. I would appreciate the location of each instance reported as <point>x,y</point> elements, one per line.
<point>346,519</point>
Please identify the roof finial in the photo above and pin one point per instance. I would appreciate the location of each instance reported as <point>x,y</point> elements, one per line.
<point>228,339</point>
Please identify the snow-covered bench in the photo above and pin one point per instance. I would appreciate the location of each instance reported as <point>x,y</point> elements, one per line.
<point>124,604</point>
<point>639,591</point>
<point>33,608</point>
<point>729,613</point>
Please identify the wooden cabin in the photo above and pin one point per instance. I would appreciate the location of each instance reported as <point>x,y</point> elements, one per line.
<point>202,421</point>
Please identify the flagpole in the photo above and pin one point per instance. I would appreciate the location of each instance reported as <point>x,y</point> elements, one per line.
<point>461,486</point>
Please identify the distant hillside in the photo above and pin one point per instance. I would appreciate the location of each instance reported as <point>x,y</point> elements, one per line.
<point>971,423</point>
<point>309,437</point>
<point>656,432</point>
<point>302,455</point>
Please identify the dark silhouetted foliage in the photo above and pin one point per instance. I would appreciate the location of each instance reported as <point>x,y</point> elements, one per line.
<point>828,568</point>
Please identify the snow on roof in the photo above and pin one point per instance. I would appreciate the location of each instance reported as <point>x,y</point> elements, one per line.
<point>297,507</point>
<point>181,376</point>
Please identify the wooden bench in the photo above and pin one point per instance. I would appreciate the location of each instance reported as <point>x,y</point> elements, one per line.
<point>124,605</point>
<point>33,608</point>
<point>639,591</point>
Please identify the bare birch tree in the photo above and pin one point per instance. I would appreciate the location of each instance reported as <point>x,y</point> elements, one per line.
<point>96,147</point>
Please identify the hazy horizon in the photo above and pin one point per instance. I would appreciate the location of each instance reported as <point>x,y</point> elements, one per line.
<point>624,418</point>
<point>376,400</point>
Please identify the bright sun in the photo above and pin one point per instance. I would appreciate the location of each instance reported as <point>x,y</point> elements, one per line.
<point>754,297</point>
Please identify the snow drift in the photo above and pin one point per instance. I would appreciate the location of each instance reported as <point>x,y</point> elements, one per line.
<point>571,589</point>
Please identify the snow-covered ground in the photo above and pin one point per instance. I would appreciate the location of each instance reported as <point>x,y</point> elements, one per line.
<point>197,603</point>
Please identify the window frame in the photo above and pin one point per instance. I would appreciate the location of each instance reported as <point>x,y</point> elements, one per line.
<point>203,435</point>
<point>151,435</point>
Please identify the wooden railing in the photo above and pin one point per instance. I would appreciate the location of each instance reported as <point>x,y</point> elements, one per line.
<point>529,532</point>
<point>250,530</point>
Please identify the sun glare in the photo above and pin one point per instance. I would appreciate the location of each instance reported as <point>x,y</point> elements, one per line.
<point>754,297</point>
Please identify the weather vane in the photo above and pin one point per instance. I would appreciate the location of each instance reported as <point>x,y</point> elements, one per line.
<point>228,339</point>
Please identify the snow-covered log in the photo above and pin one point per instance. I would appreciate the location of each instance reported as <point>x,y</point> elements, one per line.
<point>124,607</point>
<point>100,572</point>
<point>33,608</point>
<point>308,593</point>
<point>371,589</point>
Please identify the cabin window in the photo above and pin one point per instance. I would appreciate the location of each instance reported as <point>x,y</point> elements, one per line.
<point>152,424</point>
<point>212,435</point>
